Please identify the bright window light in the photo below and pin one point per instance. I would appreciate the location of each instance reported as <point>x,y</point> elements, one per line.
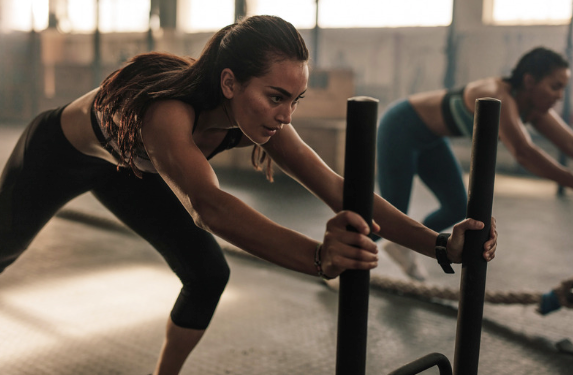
<point>527,12</point>
<point>124,15</point>
<point>358,13</point>
<point>78,15</point>
<point>301,13</point>
<point>114,16</point>
<point>81,16</point>
<point>21,15</point>
<point>203,15</point>
<point>384,13</point>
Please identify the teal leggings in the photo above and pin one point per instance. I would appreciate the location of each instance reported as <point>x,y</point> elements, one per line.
<point>405,148</point>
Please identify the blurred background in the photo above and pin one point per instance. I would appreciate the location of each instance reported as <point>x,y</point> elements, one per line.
<point>55,50</point>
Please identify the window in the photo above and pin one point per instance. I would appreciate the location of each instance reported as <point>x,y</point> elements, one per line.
<point>358,13</point>
<point>114,16</point>
<point>527,12</point>
<point>301,13</point>
<point>384,13</point>
<point>77,15</point>
<point>211,15</point>
<point>21,15</point>
<point>204,15</point>
<point>123,15</point>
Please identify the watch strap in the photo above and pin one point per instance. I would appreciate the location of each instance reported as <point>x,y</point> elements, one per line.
<point>442,254</point>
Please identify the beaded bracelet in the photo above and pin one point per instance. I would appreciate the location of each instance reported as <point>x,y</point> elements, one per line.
<point>318,262</point>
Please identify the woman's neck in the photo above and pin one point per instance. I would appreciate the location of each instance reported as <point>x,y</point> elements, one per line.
<point>523,102</point>
<point>214,119</point>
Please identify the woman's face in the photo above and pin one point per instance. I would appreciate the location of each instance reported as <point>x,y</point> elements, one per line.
<point>261,106</point>
<point>546,92</point>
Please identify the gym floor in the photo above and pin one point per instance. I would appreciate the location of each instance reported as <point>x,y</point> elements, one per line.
<point>85,300</point>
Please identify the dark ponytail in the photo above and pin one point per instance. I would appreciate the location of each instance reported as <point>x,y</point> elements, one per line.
<point>248,48</point>
<point>539,62</point>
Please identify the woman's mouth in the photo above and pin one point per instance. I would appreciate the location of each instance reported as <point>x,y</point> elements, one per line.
<point>270,131</point>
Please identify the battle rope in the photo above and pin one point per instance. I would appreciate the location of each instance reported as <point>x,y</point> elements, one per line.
<point>560,296</point>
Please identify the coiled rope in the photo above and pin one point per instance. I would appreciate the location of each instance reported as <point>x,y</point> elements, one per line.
<point>413,288</point>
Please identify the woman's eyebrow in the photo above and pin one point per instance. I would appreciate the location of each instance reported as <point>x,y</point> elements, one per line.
<point>282,91</point>
<point>285,92</point>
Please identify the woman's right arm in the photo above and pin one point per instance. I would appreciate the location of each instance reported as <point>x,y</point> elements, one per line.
<point>167,136</point>
<point>515,137</point>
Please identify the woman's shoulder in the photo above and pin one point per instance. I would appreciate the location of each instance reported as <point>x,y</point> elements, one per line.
<point>170,111</point>
<point>492,87</point>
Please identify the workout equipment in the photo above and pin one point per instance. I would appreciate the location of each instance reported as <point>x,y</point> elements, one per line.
<point>474,267</point>
<point>566,114</point>
<point>424,291</point>
<point>361,117</point>
<point>560,296</point>
<point>354,285</point>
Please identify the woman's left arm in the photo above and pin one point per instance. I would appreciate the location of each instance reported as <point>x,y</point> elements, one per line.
<point>552,126</point>
<point>301,163</point>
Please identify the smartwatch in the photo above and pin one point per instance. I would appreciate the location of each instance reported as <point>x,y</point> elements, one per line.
<point>442,254</point>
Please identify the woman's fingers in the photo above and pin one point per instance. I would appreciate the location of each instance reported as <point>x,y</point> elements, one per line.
<point>375,227</point>
<point>491,245</point>
<point>467,224</point>
<point>349,257</point>
<point>343,249</point>
<point>348,218</point>
<point>456,243</point>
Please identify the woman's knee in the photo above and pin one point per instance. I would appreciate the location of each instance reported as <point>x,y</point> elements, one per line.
<point>456,207</point>
<point>199,298</point>
<point>10,251</point>
<point>445,216</point>
<point>216,279</point>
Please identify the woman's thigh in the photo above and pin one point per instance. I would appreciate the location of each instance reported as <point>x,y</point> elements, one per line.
<point>441,172</point>
<point>152,210</point>
<point>400,138</point>
<point>43,173</point>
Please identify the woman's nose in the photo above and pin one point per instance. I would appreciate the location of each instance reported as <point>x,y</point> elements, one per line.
<point>285,115</point>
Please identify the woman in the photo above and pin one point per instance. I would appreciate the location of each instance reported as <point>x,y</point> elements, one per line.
<point>141,144</point>
<point>412,139</point>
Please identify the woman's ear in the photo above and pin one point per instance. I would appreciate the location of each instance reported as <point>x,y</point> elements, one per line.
<point>228,83</point>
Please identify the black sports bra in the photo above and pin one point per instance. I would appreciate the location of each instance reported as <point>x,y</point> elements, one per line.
<point>141,159</point>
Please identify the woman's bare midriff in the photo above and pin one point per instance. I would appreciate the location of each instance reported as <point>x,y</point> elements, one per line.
<point>428,106</point>
<point>76,125</point>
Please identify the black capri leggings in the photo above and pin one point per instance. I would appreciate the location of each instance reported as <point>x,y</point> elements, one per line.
<point>45,172</point>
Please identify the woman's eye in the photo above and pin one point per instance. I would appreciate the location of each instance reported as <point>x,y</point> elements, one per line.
<point>556,87</point>
<point>276,99</point>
